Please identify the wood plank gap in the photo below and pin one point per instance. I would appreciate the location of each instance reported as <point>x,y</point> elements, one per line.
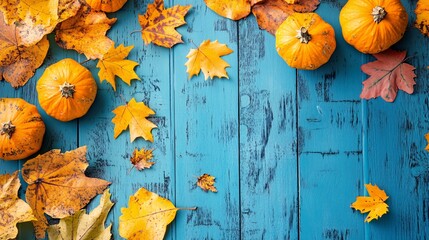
<point>298,187</point>
<point>239,130</point>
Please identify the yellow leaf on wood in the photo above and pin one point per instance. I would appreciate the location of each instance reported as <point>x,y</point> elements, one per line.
<point>234,10</point>
<point>133,115</point>
<point>427,139</point>
<point>113,63</point>
<point>141,159</point>
<point>82,226</point>
<point>12,209</point>
<point>206,58</point>
<point>206,182</point>
<point>86,33</point>
<point>57,185</point>
<point>159,24</point>
<point>374,204</point>
<point>422,14</point>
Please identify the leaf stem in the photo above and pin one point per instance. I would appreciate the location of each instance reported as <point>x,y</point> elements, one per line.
<point>87,60</point>
<point>135,31</point>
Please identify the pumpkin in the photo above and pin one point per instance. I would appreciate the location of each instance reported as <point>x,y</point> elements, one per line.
<point>21,129</point>
<point>372,26</point>
<point>305,41</point>
<point>66,90</point>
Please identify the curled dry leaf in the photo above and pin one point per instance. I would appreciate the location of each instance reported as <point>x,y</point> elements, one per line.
<point>113,63</point>
<point>159,24</point>
<point>206,182</point>
<point>374,204</point>
<point>17,62</point>
<point>12,209</point>
<point>57,185</point>
<point>86,33</point>
<point>271,13</point>
<point>147,216</point>
<point>141,159</point>
<point>206,58</point>
<point>388,74</point>
<point>106,5</point>
<point>133,115</point>
<point>234,10</point>
<point>82,226</point>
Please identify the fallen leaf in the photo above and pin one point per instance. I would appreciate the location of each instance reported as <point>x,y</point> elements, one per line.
<point>34,19</point>
<point>82,226</point>
<point>388,74</point>
<point>86,33</point>
<point>57,185</point>
<point>159,24</point>
<point>17,62</point>
<point>141,159</point>
<point>271,13</point>
<point>234,10</point>
<point>422,20</point>
<point>106,5</point>
<point>207,58</point>
<point>206,182</point>
<point>427,139</point>
<point>12,209</point>
<point>374,204</point>
<point>147,216</point>
<point>113,63</point>
<point>133,115</point>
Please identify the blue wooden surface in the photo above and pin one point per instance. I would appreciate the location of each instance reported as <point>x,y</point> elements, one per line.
<point>290,149</point>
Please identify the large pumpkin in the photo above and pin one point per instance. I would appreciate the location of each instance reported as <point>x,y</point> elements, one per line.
<point>66,90</point>
<point>21,129</point>
<point>305,41</point>
<point>372,26</point>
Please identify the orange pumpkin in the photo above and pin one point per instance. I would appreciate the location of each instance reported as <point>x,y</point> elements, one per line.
<point>372,26</point>
<point>21,129</point>
<point>66,90</point>
<point>305,41</point>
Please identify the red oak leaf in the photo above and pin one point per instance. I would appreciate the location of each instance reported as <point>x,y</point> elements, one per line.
<point>388,74</point>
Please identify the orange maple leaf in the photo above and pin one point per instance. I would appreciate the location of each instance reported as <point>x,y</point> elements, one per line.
<point>86,33</point>
<point>57,185</point>
<point>158,24</point>
<point>206,182</point>
<point>133,115</point>
<point>141,159</point>
<point>234,10</point>
<point>374,204</point>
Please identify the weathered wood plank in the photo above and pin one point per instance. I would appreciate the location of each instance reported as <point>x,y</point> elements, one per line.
<point>268,159</point>
<point>330,141</point>
<point>206,123</point>
<point>396,159</point>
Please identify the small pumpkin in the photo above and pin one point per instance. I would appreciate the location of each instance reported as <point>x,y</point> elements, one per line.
<point>21,129</point>
<point>305,41</point>
<point>372,26</point>
<point>66,90</point>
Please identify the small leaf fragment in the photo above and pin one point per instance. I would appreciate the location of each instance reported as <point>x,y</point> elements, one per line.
<point>427,139</point>
<point>141,159</point>
<point>234,10</point>
<point>113,63</point>
<point>206,182</point>
<point>374,204</point>
<point>106,5</point>
<point>133,115</point>
<point>206,58</point>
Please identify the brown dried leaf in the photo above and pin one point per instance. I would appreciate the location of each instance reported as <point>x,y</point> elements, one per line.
<point>18,63</point>
<point>86,33</point>
<point>57,185</point>
<point>271,13</point>
<point>141,158</point>
<point>206,182</point>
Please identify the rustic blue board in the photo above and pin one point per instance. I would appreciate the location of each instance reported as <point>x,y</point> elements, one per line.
<point>290,149</point>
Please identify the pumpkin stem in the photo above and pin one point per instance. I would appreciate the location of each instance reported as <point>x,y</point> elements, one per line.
<point>378,13</point>
<point>7,128</point>
<point>303,35</point>
<point>67,90</point>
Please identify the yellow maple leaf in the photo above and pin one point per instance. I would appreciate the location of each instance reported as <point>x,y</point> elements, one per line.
<point>206,182</point>
<point>206,58</point>
<point>234,10</point>
<point>147,216</point>
<point>141,158</point>
<point>12,209</point>
<point>106,5</point>
<point>133,115</point>
<point>66,189</point>
<point>159,24</point>
<point>84,226</point>
<point>86,33</point>
<point>374,204</point>
<point>113,63</point>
